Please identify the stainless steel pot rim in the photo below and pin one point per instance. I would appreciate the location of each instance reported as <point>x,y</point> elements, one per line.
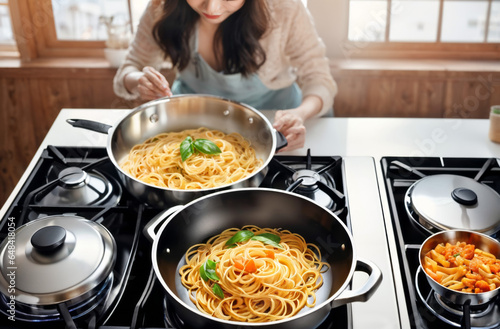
<point>171,294</point>
<point>458,293</point>
<point>172,98</point>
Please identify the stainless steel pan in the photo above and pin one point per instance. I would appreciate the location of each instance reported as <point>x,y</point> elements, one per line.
<point>207,216</point>
<point>178,113</point>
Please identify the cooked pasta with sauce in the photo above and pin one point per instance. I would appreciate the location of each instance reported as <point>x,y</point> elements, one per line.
<point>253,274</point>
<point>463,267</point>
<point>158,161</point>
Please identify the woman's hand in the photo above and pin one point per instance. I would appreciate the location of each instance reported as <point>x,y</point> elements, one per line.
<point>292,127</point>
<point>150,84</point>
<point>291,122</point>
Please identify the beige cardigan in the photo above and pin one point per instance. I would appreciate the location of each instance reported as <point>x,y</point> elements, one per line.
<point>293,48</point>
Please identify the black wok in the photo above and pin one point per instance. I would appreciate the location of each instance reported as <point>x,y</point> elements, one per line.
<point>207,216</point>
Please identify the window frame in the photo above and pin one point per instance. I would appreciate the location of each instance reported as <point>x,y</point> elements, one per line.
<point>34,27</point>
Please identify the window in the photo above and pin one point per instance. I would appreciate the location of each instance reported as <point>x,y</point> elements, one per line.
<point>7,42</point>
<point>72,28</point>
<point>432,27</point>
<point>88,19</point>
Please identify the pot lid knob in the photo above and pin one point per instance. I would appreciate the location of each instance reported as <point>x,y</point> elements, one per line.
<point>464,196</point>
<point>48,239</point>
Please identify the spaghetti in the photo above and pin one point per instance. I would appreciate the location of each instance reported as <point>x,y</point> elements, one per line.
<point>158,161</point>
<point>256,280</point>
<point>463,267</point>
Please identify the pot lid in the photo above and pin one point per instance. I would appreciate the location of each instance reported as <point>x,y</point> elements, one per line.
<point>449,202</point>
<point>57,258</point>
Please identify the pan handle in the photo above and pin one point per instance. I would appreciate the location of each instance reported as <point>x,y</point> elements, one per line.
<point>366,291</point>
<point>90,125</point>
<point>281,141</point>
<point>150,228</point>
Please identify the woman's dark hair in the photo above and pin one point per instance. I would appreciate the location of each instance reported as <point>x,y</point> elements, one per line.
<point>239,35</point>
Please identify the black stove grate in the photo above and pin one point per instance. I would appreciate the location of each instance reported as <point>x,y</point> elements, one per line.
<point>399,174</point>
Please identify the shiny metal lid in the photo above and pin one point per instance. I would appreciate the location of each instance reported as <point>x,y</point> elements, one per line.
<point>449,202</point>
<point>57,258</point>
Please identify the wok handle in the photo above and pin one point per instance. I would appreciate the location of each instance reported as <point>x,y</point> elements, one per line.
<point>366,291</point>
<point>90,125</point>
<point>281,141</point>
<point>150,228</point>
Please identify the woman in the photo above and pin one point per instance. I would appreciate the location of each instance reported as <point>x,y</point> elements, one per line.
<point>256,52</point>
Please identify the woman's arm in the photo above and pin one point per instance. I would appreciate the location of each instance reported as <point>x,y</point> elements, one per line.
<point>142,53</point>
<point>307,54</point>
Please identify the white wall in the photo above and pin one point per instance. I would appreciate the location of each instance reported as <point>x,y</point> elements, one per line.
<point>331,17</point>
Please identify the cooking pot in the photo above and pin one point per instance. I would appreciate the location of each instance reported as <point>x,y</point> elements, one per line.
<point>464,299</point>
<point>179,113</point>
<point>56,263</point>
<point>452,202</point>
<point>183,226</point>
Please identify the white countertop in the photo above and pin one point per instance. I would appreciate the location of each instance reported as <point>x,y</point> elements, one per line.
<point>374,137</point>
<point>346,137</point>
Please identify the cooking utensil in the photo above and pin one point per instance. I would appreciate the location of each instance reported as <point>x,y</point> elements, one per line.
<point>464,299</point>
<point>179,113</point>
<point>210,215</point>
<point>451,202</point>
<point>57,260</point>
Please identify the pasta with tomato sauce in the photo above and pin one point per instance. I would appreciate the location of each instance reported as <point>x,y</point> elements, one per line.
<point>253,274</point>
<point>463,267</point>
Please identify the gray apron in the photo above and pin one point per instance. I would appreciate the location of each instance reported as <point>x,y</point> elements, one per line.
<point>199,78</point>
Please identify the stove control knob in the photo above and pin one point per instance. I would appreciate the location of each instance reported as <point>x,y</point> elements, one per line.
<point>464,196</point>
<point>48,239</point>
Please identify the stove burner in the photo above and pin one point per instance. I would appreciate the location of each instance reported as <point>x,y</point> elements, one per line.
<point>73,177</point>
<point>92,305</point>
<point>458,309</point>
<point>313,177</point>
<point>78,187</point>
<point>309,178</point>
<point>309,182</point>
<point>482,316</point>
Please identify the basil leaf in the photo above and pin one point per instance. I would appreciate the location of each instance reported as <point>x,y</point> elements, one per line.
<point>240,236</point>
<point>218,291</point>
<point>206,146</point>
<point>202,273</point>
<point>456,255</point>
<point>268,241</point>
<point>187,148</point>
<point>271,236</point>
<point>209,269</point>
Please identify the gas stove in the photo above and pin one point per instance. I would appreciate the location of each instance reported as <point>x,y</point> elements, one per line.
<point>426,309</point>
<point>82,182</point>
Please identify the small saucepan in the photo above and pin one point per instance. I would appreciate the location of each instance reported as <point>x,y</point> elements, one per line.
<point>463,299</point>
<point>179,113</point>
<point>205,217</point>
